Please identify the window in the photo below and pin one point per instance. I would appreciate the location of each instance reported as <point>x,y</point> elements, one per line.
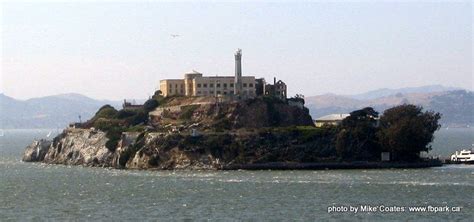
<point>182,91</point>
<point>199,85</point>
<point>176,86</point>
<point>219,92</point>
<point>225,93</point>
<point>182,86</point>
<point>199,92</point>
<point>225,85</point>
<point>218,85</point>
<point>171,86</point>
<point>171,90</point>
<point>211,92</point>
<point>232,85</point>
<point>204,85</point>
<point>211,84</point>
<point>250,84</point>
<point>245,84</point>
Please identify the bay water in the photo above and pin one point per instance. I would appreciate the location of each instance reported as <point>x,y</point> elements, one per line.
<point>41,192</point>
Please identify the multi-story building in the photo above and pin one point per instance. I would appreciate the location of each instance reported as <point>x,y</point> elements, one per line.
<point>195,84</point>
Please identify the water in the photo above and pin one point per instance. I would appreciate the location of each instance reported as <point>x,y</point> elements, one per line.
<point>34,191</point>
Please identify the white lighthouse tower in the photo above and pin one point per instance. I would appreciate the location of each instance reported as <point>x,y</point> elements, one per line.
<point>238,73</point>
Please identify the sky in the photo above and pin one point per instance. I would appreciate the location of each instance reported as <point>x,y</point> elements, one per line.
<point>116,50</point>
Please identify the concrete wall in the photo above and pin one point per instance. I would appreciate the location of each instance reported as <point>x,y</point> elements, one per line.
<point>171,87</point>
<point>207,86</point>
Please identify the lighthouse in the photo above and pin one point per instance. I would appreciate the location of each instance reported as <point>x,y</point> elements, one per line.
<point>238,73</point>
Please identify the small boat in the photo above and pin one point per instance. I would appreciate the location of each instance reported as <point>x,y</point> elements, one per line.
<point>1,132</point>
<point>463,156</point>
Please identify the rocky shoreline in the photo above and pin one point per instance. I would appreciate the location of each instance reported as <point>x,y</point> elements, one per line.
<point>87,147</point>
<point>164,151</point>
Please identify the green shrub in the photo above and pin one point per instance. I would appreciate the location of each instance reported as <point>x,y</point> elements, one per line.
<point>150,105</point>
<point>139,128</point>
<point>187,112</point>
<point>140,118</point>
<point>106,124</point>
<point>113,134</point>
<point>106,111</point>
<point>122,114</point>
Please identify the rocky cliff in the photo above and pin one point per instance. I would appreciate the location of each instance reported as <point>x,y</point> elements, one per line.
<point>182,151</point>
<point>189,133</point>
<point>251,113</point>
<point>72,147</point>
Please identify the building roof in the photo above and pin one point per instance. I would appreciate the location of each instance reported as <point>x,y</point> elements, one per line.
<point>193,72</point>
<point>171,80</point>
<point>333,117</point>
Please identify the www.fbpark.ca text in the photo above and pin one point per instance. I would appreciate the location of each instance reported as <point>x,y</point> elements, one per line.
<point>392,209</point>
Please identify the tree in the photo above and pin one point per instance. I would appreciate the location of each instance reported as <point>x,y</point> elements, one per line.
<point>357,138</point>
<point>406,130</point>
<point>150,105</point>
<point>106,111</point>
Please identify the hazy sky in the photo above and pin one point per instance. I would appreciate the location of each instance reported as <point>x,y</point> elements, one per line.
<point>121,50</point>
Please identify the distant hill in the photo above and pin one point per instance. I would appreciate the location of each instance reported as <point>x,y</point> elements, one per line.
<point>47,112</point>
<point>374,94</point>
<point>457,106</point>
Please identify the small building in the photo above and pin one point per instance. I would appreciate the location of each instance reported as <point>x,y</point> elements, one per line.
<point>129,106</point>
<point>74,125</point>
<point>331,119</point>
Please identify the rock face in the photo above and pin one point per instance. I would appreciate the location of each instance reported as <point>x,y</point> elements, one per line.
<point>181,151</point>
<point>72,147</point>
<point>251,113</point>
<point>36,151</point>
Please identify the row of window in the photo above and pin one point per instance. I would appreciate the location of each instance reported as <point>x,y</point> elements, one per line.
<point>176,91</point>
<point>176,86</point>
<point>218,92</point>
<point>211,85</point>
<point>218,85</point>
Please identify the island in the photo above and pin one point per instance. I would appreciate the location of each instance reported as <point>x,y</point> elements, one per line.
<point>238,122</point>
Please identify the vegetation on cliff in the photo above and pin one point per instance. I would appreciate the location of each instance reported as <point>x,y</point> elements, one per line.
<point>114,122</point>
<point>265,129</point>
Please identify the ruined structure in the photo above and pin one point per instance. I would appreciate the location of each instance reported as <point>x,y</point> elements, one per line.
<point>277,89</point>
